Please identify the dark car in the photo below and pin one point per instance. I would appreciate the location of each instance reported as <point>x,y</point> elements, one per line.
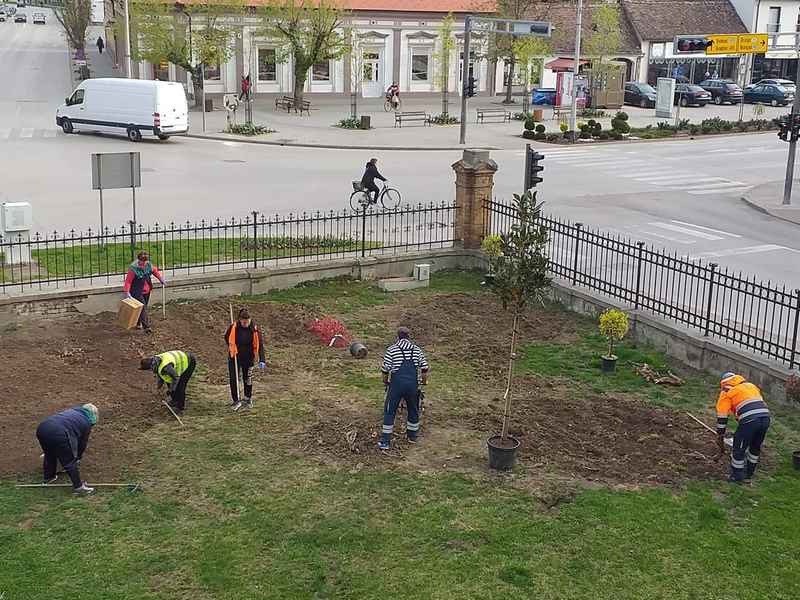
<point>774,95</point>
<point>722,91</point>
<point>687,94</point>
<point>640,94</point>
<point>20,18</point>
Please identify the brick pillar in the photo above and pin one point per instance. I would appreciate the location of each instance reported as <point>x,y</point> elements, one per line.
<point>474,183</point>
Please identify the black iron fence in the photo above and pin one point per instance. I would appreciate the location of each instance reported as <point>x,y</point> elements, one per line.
<point>752,314</point>
<point>257,240</point>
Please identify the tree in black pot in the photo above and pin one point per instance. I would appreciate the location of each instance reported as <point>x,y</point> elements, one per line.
<point>614,327</point>
<point>520,279</point>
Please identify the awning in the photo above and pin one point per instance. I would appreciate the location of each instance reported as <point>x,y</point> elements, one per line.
<point>563,64</point>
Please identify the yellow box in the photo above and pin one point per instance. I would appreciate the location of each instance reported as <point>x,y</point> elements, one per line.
<point>129,311</point>
<point>723,44</point>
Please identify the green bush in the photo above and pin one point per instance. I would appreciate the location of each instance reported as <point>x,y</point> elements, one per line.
<point>598,128</point>
<point>540,128</point>
<point>530,124</point>
<point>444,119</point>
<point>249,129</point>
<point>584,135</point>
<point>603,135</point>
<point>552,137</point>
<point>349,123</point>
<point>528,134</point>
<point>621,116</point>
<point>620,125</point>
<point>694,129</point>
<point>591,123</point>
<point>617,135</point>
<point>539,135</point>
<point>647,136</point>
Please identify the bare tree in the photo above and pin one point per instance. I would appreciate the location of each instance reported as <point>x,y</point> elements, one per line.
<point>312,32</point>
<point>74,16</point>
<point>503,44</point>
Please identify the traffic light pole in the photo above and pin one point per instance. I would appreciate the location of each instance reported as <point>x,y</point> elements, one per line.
<point>465,79</point>
<point>787,186</point>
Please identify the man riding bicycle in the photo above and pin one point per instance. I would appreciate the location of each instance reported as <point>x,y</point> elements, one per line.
<point>393,94</point>
<point>368,180</point>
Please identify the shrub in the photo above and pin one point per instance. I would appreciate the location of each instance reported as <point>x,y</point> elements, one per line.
<point>540,128</point>
<point>349,123</point>
<point>522,116</point>
<point>444,119</point>
<point>647,136</point>
<point>592,112</point>
<point>694,129</point>
<point>613,327</point>
<point>569,135</point>
<point>598,127</point>
<point>591,123</point>
<point>530,124</point>
<point>492,245</point>
<point>621,116</point>
<point>539,136</point>
<point>620,125</point>
<point>617,135</point>
<point>563,127</point>
<point>603,135</point>
<point>552,137</point>
<point>663,125</point>
<point>584,135</point>
<point>793,388</point>
<point>249,129</point>
<point>528,134</point>
<point>683,124</point>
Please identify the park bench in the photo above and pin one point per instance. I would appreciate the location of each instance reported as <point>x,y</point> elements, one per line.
<point>561,111</point>
<point>289,103</point>
<point>421,115</point>
<point>493,112</point>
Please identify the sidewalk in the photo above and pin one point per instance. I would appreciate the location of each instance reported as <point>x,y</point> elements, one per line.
<point>768,198</point>
<point>100,65</point>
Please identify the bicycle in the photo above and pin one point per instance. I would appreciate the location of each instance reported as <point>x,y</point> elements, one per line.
<point>361,199</point>
<point>389,106</point>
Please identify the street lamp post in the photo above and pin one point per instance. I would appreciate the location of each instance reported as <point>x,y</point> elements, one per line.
<point>128,65</point>
<point>574,112</point>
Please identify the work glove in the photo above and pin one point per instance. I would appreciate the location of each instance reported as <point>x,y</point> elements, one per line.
<point>83,490</point>
<point>262,365</point>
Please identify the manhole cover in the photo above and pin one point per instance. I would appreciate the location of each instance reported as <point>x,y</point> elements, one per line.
<point>234,160</point>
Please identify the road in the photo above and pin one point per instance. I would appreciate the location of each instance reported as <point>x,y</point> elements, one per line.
<point>682,195</point>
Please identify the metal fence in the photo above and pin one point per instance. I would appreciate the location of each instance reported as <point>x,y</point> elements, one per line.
<point>755,315</point>
<point>81,258</point>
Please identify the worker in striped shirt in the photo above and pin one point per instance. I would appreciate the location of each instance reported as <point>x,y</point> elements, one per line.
<point>403,363</point>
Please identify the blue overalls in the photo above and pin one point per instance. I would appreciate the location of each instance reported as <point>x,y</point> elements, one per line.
<point>402,386</point>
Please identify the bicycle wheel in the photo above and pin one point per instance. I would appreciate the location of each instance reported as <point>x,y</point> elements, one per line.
<point>387,106</point>
<point>390,199</point>
<point>358,201</point>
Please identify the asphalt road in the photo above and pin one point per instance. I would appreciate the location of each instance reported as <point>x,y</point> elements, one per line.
<point>684,195</point>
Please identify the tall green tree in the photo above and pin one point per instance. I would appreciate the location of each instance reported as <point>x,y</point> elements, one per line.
<point>74,16</point>
<point>605,39</point>
<point>311,32</point>
<point>529,53</point>
<point>502,44</point>
<point>446,43</point>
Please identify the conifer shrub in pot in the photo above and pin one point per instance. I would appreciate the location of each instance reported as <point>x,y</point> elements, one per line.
<point>613,327</point>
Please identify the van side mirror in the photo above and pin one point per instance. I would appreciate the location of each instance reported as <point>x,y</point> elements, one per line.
<point>66,101</point>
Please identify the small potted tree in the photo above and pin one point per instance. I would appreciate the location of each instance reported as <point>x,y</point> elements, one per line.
<point>520,279</point>
<point>613,326</point>
<point>492,246</point>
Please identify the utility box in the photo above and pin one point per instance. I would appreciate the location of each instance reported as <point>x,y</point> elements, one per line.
<point>16,216</point>
<point>366,122</point>
<point>16,220</point>
<point>422,272</point>
<point>129,311</point>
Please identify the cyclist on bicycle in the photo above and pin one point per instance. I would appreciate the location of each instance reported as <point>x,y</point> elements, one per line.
<point>369,177</point>
<point>393,94</point>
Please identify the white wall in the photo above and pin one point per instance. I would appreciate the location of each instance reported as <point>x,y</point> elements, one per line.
<point>746,10</point>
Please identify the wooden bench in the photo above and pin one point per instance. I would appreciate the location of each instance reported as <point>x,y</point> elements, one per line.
<point>561,111</point>
<point>493,112</point>
<point>420,115</point>
<point>289,103</point>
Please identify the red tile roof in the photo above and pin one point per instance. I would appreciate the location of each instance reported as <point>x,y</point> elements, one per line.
<point>411,6</point>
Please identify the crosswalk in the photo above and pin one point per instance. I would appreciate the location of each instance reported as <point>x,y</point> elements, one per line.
<point>641,170</point>
<point>27,133</point>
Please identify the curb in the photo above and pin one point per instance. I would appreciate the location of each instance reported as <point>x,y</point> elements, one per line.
<point>226,138</point>
<point>766,211</point>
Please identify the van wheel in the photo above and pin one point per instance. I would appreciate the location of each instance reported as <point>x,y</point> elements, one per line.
<point>134,134</point>
<point>163,137</point>
<point>66,125</point>
<point>774,102</point>
<point>718,100</point>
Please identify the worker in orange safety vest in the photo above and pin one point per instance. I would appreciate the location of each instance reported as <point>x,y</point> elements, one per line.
<point>742,399</point>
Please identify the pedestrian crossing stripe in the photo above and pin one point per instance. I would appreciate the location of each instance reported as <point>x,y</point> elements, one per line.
<point>27,133</point>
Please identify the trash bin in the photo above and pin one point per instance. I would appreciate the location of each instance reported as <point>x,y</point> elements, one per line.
<point>538,115</point>
<point>365,122</point>
<point>209,105</point>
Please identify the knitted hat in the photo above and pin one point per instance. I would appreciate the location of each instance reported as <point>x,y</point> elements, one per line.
<point>726,377</point>
<point>90,410</point>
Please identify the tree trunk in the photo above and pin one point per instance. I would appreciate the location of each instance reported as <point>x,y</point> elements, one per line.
<point>507,395</point>
<point>197,88</point>
<point>299,84</point>
<point>511,66</point>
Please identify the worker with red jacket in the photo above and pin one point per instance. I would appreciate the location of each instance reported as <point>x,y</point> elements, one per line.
<point>245,344</point>
<point>744,401</point>
<point>138,284</point>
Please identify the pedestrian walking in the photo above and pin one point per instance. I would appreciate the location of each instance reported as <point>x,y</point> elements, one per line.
<point>100,44</point>
<point>403,363</point>
<point>245,344</point>
<point>173,368</point>
<point>64,438</point>
<point>742,399</point>
<point>139,284</point>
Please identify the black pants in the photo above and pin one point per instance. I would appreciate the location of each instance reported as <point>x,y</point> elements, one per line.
<point>371,189</point>
<point>246,368</point>
<point>57,449</point>
<point>179,393</point>
<point>747,446</point>
<point>144,318</point>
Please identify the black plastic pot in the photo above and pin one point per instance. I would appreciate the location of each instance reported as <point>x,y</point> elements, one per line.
<point>358,350</point>
<point>502,458</point>
<point>609,364</point>
<point>796,459</point>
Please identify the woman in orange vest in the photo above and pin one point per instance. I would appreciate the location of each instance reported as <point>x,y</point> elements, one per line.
<point>245,343</point>
<point>742,399</point>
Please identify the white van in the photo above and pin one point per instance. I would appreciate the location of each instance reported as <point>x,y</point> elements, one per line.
<point>133,106</point>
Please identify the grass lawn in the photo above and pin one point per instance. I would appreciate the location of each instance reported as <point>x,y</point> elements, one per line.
<point>247,506</point>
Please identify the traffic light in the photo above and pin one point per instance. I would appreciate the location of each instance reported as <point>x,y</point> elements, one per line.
<point>783,132</point>
<point>469,89</point>
<point>532,167</point>
<point>691,44</point>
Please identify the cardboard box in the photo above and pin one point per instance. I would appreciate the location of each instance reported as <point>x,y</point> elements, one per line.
<point>129,311</point>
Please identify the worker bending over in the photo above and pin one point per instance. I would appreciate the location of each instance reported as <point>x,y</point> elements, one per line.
<point>63,438</point>
<point>245,344</point>
<point>402,364</point>
<point>173,368</point>
<point>742,399</point>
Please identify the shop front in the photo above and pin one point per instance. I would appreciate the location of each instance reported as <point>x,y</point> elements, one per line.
<point>688,69</point>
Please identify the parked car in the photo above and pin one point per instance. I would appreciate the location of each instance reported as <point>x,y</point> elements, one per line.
<point>774,95</point>
<point>20,18</point>
<point>135,107</point>
<point>687,94</point>
<point>2,17</point>
<point>787,83</point>
<point>640,94</point>
<point>38,19</point>
<point>722,91</point>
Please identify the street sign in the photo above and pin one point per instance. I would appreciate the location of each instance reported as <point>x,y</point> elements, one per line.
<point>753,43</point>
<point>116,170</point>
<point>723,44</point>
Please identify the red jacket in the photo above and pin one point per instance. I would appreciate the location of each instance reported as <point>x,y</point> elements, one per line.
<point>129,280</point>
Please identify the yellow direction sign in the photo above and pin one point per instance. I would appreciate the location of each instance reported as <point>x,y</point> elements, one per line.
<point>723,44</point>
<point>753,43</point>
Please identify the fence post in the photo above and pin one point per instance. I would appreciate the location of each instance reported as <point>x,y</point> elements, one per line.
<point>793,354</point>
<point>474,183</point>
<point>713,267</point>
<point>639,247</point>
<point>578,228</point>
<point>363,230</point>
<point>133,239</point>
<point>255,240</point>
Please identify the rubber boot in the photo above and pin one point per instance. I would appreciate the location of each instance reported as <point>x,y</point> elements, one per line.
<point>385,441</point>
<point>751,469</point>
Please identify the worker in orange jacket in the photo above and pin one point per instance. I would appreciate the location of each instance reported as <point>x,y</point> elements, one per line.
<point>742,399</point>
<point>245,345</point>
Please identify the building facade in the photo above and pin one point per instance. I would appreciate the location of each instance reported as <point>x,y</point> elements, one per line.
<point>774,17</point>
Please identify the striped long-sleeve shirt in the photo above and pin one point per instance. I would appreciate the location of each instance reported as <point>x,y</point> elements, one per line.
<point>394,356</point>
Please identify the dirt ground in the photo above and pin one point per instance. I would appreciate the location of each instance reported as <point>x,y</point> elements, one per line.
<point>612,440</point>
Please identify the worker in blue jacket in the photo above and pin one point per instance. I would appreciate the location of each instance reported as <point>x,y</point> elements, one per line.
<point>63,438</point>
